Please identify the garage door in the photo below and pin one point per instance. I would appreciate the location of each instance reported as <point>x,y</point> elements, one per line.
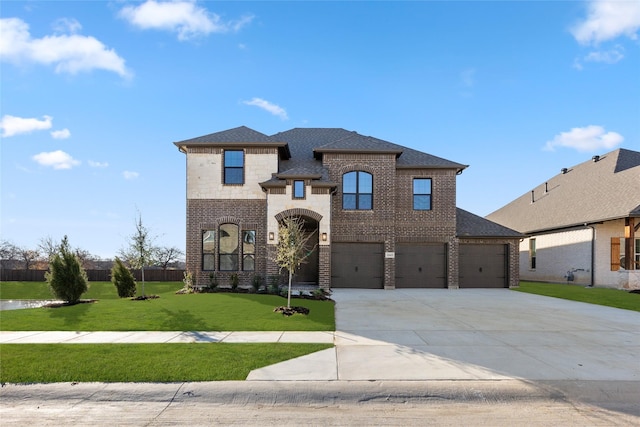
<point>357,265</point>
<point>483,266</point>
<point>421,266</point>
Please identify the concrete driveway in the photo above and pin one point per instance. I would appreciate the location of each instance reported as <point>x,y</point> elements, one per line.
<point>470,334</point>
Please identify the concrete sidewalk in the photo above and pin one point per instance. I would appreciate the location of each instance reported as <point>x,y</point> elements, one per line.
<point>149,337</point>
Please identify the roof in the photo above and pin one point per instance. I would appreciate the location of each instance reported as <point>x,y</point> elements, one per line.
<point>470,225</point>
<point>604,188</point>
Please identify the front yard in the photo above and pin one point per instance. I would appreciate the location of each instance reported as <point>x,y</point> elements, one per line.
<point>170,312</point>
<point>601,296</point>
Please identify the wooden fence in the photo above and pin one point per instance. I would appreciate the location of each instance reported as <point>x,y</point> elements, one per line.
<point>153,275</point>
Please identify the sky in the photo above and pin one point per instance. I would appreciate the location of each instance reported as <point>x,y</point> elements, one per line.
<point>94,93</point>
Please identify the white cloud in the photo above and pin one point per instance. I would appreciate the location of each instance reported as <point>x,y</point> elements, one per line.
<point>589,138</point>
<point>611,56</point>
<point>56,159</point>
<point>608,20</point>
<point>61,134</point>
<point>67,25</point>
<point>12,125</point>
<point>183,17</point>
<point>130,175</point>
<point>468,77</point>
<point>274,109</point>
<point>69,53</point>
<point>100,165</point>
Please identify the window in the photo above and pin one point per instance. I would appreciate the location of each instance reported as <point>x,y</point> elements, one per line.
<point>532,254</point>
<point>357,191</point>
<point>422,194</point>
<point>208,250</point>
<point>234,167</point>
<point>637,258</point>
<point>298,189</point>
<point>249,250</point>
<point>228,247</point>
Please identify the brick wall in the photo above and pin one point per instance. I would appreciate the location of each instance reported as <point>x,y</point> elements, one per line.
<point>203,214</point>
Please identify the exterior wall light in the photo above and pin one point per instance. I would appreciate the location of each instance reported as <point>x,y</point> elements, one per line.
<point>271,235</point>
<point>324,237</point>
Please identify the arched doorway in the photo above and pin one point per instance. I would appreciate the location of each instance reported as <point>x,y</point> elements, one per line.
<point>308,272</point>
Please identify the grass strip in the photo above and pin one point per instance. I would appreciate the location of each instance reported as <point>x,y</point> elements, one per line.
<point>48,363</point>
<point>602,296</point>
<point>171,312</point>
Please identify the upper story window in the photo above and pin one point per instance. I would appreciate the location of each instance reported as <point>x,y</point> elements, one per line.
<point>422,194</point>
<point>298,189</point>
<point>357,190</point>
<point>234,167</point>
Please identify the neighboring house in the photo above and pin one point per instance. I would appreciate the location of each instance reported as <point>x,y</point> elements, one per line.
<point>380,215</point>
<point>582,224</point>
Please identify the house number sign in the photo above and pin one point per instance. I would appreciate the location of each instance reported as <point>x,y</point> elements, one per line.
<point>390,255</point>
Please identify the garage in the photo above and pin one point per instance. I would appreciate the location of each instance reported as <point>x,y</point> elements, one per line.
<point>421,266</point>
<point>483,266</point>
<point>357,265</point>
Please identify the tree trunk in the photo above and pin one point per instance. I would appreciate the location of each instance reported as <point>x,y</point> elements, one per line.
<point>289,293</point>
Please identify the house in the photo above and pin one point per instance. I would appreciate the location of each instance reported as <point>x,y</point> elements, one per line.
<point>380,215</point>
<point>582,224</point>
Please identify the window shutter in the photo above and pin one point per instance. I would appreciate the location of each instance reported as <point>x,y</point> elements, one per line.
<point>615,253</point>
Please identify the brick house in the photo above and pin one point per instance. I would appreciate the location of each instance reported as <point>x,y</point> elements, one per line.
<point>582,225</point>
<point>381,215</point>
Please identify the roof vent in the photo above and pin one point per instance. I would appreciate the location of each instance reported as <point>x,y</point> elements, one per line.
<point>546,187</point>
<point>533,198</point>
<point>564,170</point>
<point>595,158</point>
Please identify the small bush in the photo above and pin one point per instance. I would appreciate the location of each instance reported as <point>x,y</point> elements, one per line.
<point>274,285</point>
<point>257,282</point>
<point>123,280</point>
<point>66,277</point>
<point>213,282</point>
<point>234,282</point>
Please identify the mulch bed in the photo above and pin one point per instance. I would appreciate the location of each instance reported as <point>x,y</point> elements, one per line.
<point>291,311</point>
<point>68,304</point>
<point>145,297</point>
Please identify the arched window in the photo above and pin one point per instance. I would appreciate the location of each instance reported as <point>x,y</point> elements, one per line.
<point>229,247</point>
<point>357,190</point>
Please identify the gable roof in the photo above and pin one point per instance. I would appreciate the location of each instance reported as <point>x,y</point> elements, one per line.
<point>604,188</point>
<point>470,225</point>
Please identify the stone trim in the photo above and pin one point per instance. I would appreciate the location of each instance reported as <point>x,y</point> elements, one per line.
<point>298,212</point>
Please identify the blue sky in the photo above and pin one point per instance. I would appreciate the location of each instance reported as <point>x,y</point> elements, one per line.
<point>93,94</point>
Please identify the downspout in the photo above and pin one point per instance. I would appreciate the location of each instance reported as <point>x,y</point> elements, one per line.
<point>593,254</point>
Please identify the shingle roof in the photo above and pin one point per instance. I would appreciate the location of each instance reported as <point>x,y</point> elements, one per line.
<point>470,225</point>
<point>235,135</point>
<point>590,192</point>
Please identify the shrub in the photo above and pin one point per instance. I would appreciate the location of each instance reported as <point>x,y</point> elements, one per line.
<point>274,285</point>
<point>213,282</point>
<point>123,280</point>
<point>66,277</point>
<point>234,282</point>
<point>257,282</point>
<point>188,283</point>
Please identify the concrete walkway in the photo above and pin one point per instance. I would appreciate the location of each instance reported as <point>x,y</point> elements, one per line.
<point>422,334</point>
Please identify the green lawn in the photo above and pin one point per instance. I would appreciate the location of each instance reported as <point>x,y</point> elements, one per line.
<point>46,363</point>
<point>170,312</point>
<point>602,296</point>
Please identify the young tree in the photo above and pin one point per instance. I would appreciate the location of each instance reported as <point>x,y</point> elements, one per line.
<point>66,277</point>
<point>140,251</point>
<point>293,248</point>
<point>122,278</point>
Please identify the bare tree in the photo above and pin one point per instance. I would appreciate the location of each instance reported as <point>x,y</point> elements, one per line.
<point>8,253</point>
<point>29,257</point>
<point>293,248</point>
<point>166,255</point>
<point>85,257</point>
<point>48,247</point>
